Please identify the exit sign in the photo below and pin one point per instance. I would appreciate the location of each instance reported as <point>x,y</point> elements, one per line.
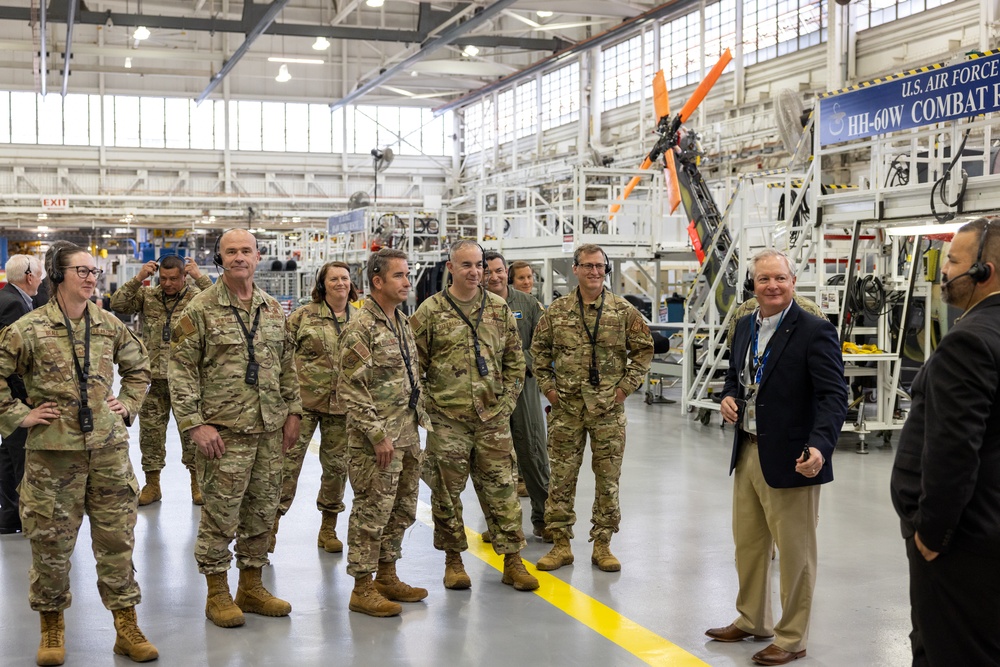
<point>55,204</point>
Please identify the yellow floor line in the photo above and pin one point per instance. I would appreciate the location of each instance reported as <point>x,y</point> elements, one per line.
<point>602,619</point>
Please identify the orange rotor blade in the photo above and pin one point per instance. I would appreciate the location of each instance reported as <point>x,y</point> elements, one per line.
<point>661,99</point>
<point>673,186</point>
<point>631,186</point>
<point>706,85</point>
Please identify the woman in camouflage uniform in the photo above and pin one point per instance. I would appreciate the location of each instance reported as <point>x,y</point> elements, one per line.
<point>316,329</point>
<point>76,457</point>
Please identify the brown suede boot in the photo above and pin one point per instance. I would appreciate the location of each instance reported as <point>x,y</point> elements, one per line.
<point>366,599</point>
<point>130,641</point>
<point>273,539</point>
<point>196,496</point>
<point>603,558</point>
<point>559,555</point>
<point>515,575</point>
<point>151,492</point>
<point>52,647</point>
<point>220,608</point>
<point>327,539</point>
<point>391,588</point>
<point>253,598</point>
<point>455,576</point>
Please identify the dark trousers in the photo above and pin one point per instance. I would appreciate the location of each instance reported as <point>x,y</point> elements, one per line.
<point>955,609</point>
<point>11,473</point>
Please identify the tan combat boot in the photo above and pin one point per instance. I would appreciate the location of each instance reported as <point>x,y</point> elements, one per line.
<point>603,558</point>
<point>196,496</point>
<point>515,575</point>
<point>522,490</point>
<point>220,608</point>
<point>52,648</point>
<point>130,640</point>
<point>273,539</point>
<point>455,577</point>
<point>391,588</point>
<point>253,598</point>
<point>151,492</point>
<point>559,555</point>
<point>366,599</point>
<point>327,539</point>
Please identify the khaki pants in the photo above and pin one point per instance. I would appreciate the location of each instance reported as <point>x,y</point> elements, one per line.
<point>764,516</point>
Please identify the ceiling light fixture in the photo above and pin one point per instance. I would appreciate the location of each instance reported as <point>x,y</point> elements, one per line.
<point>543,14</point>
<point>374,3</point>
<point>321,44</point>
<point>283,74</point>
<point>413,73</point>
<point>296,61</point>
<point>128,63</point>
<point>470,51</point>
<point>141,33</point>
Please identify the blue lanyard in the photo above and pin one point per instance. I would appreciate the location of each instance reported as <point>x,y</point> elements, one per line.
<point>757,362</point>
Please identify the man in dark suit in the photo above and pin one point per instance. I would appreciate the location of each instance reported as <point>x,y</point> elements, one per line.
<point>24,274</point>
<point>785,389</point>
<point>946,477</point>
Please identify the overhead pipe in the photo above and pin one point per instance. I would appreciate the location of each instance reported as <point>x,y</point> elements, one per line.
<point>68,53</point>
<point>43,63</point>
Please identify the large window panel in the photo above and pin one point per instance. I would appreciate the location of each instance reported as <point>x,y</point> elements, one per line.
<point>4,117</point>
<point>296,128</point>
<point>388,126</point>
<point>771,29</point>
<point>625,67</point>
<point>336,119</point>
<point>109,120</point>
<point>365,129</point>
<point>505,116</point>
<point>526,116</point>
<point>126,122</point>
<point>178,126</point>
<point>220,124</point>
<point>249,127</point>
<point>473,117</point>
<point>202,125</point>
<point>319,128</point>
<point>561,96</point>
<point>273,114</point>
<point>50,120</point>
<point>76,121</point>
<point>23,118</point>
<point>151,122</point>
<point>410,121</point>
<point>96,120</point>
<point>434,132</point>
<point>871,13</point>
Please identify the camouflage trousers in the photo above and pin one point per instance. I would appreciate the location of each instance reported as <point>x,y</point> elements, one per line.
<point>457,450</point>
<point>385,501</point>
<point>153,419</point>
<point>527,429</point>
<point>569,425</point>
<point>241,498</point>
<point>58,487</point>
<point>332,459</point>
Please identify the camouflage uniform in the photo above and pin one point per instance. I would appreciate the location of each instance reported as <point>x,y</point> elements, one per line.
<point>208,364</point>
<point>374,387</point>
<point>68,472</point>
<point>471,417</point>
<point>133,297</point>
<point>562,352</point>
<point>527,423</point>
<point>317,359</point>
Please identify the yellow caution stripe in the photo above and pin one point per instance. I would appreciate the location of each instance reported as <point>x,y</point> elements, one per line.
<point>975,55</point>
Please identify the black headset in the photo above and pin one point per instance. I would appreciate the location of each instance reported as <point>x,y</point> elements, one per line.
<point>748,283</point>
<point>980,271</point>
<point>217,256</point>
<point>57,275</point>
<point>321,282</point>
<point>607,263</point>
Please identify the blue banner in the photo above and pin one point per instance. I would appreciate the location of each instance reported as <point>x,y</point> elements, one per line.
<point>343,223</point>
<point>958,91</point>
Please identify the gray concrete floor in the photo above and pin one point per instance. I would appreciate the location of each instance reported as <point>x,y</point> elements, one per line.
<point>677,578</point>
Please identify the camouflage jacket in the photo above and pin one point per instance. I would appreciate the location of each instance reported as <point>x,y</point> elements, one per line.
<point>317,355</point>
<point>208,363</point>
<point>527,311</point>
<point>133,297</point>
<point>37,348</point>
<point>562,350</point>
<point>448,359</point>
<point>374,386</point>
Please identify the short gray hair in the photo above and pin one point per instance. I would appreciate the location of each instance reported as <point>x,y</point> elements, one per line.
<point>767,253</point>
<point>19,266</point>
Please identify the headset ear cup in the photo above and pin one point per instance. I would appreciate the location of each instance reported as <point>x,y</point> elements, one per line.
<point>748,284</point>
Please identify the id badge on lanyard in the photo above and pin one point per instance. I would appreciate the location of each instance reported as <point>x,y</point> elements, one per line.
<point>750,409</point>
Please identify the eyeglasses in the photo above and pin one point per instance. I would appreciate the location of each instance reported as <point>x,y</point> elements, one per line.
<point>83,271</point>
<point>592,267</point>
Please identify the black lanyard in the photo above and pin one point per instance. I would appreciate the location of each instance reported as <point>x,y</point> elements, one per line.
<point>595,375</point>
<point>165,336</point>
<point>86,415</point>
<point>252,366</point>
<point>404,349</point>
<point>480,360</point>
<point>347,315</point>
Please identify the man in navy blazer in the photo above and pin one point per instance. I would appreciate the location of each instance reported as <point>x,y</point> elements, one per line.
<point>785,390</point>
<point>946,477</point>
<point>24,274</point>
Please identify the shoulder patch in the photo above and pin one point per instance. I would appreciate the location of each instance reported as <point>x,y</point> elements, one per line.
<point>414,322</point>
<point>361,350</point>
